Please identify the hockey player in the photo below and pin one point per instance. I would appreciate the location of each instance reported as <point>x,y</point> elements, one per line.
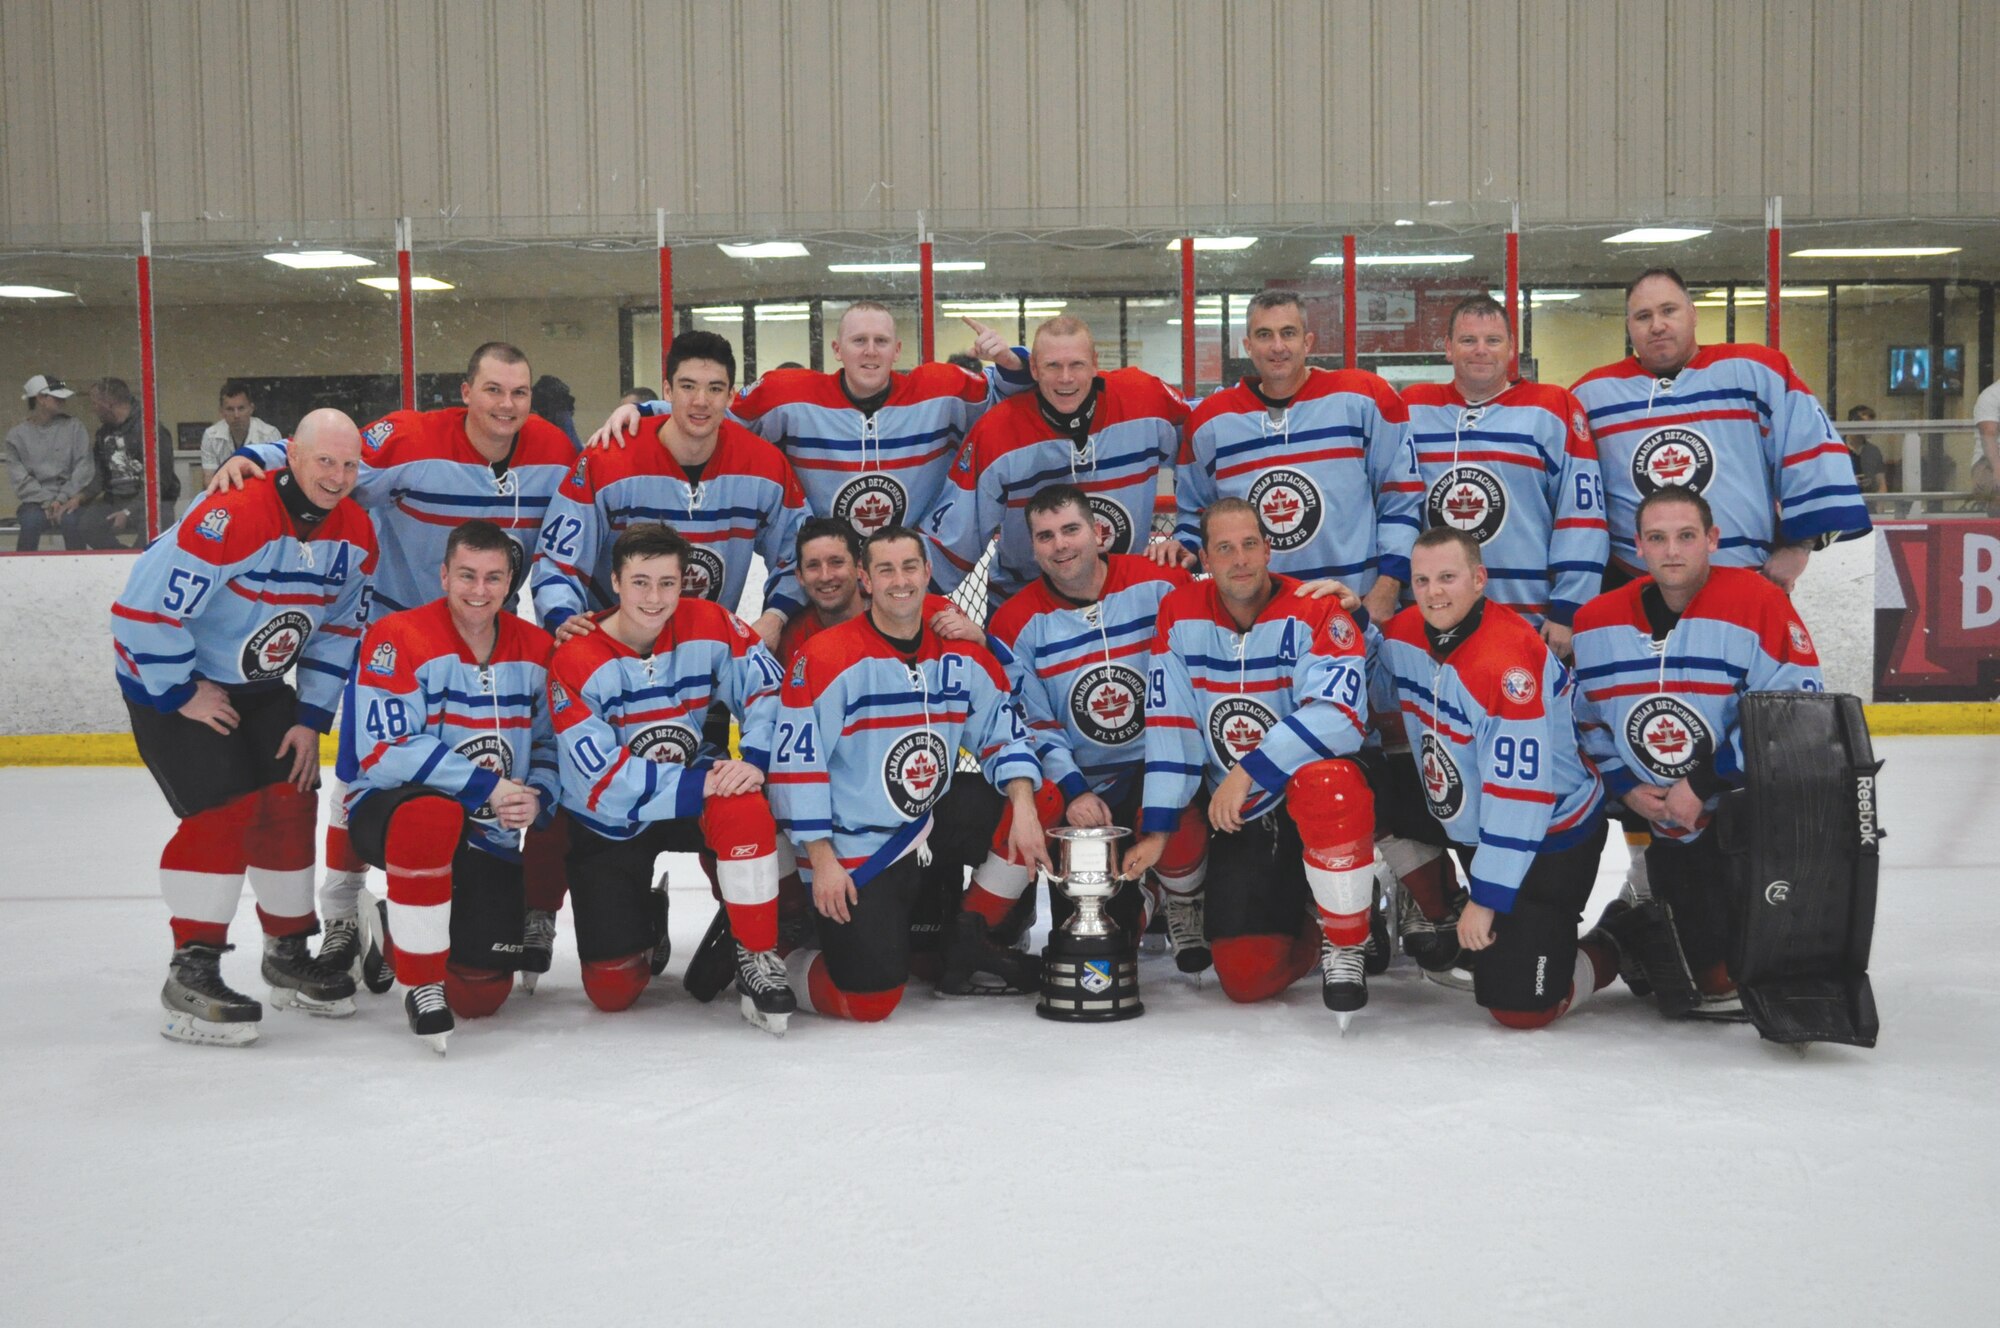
<point>422,474</point>
<point>1663,662</point>
<point>1074,643</point>
<point>1321,455</point>
<point>871,446</point>
<point>1256,694</point>
<point>1731,422</point>
<point>628,701</point>
<point>1488,708</point>
<point>1107,433</point>
<point>726,491</point>
<point>246,585</point>
<point>874,712</point>
<point>447,753</point>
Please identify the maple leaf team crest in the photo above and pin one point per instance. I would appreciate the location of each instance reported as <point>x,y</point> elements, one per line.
<point>1668,737</point>
<point>665,744</point>
<point>871,501</point>
<point>1444,786</point>
<point>702,577</point>
<point>271,648</point>
<point>1673,457</point>
<point>1236,726</point>
<point>1288,507</point>
<point>1468,498</point>
<point>914,773</point>
<point>1107,704</point>
<point>488,752</point>
<point>1114,524</point>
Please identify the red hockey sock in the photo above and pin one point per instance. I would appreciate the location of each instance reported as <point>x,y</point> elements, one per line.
<point>340,854</point>
<point>992,907</point>
<point>542,865</point>
<point>1431,886</point>
<point>1603,964</point>
<point>755,926</point>
<point>473,993</point>
<point>1714,980</point>
<point>864,1007</point>
<point>613,984</point>
<point>201,872</point>
<point>418,850</point>
<point>1255,968</point>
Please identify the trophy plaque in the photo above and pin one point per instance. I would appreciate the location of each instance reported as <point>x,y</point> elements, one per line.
<point>1090,967</point>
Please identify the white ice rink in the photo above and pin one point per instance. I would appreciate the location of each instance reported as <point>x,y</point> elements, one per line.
<point>969,1164</point>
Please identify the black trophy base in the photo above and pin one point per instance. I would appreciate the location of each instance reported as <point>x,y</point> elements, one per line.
<point>1089,980</point>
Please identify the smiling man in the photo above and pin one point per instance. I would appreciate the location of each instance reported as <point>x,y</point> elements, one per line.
<point>248,584</point>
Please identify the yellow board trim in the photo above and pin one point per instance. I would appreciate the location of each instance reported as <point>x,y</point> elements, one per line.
<point>119,749</point>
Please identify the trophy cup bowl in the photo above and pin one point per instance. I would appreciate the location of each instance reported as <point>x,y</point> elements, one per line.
<point>1090,967</point>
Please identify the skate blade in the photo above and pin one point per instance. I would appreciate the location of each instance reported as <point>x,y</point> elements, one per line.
<point>976,993</point>
<point>182,1027</point>
<point>436,1041</point>
<point>1345,1018</point>
<point>774,1024</point>
<point>528,981</point>
<point>1150,944</point>
<point>285,998</point>
<point>1454,979</point>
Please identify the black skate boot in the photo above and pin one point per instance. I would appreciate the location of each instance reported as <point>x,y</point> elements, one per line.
<point>377,973</point>
<point>1157,938</point>
<point>663,948</point>
<point>975,966</point>
<point>1343,976</point>
<point>299,981</point>
<point>714,962</point>
<point>201,1007</point>
<point>1377,951</point>
<point>340,945</point>
<point>1187,929</point>
<point>538,946</point>
<point>768,1001</point>
<point>1649,953</point>
<point>430,1018</point>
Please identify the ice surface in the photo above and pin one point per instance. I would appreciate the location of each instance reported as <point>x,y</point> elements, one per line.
<point>967,1163</point>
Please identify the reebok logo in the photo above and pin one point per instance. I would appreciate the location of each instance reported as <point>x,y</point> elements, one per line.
<point>743,851</point>
<point>1864,807</point>
<point>1541,975</point>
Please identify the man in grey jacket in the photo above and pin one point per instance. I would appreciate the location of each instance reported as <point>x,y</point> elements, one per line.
<point>48,459</point>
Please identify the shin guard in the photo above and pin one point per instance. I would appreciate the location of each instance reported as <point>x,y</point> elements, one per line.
<point>1330,803</point>
<point>422,840</point>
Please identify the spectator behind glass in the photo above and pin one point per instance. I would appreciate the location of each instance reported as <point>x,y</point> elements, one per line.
<point>638,396</point>
<point>115,504</point>
<point>553,401</point>
<point>48,459</point>
<point>969,363</point>
<point>238,427</point>
<point>1986,444</point>
<point>1869,463</point>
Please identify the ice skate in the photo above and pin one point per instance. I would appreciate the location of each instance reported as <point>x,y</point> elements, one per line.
<point>430,1018</point>
<point>1156,939</point>
<point>377,974</point>
<point>1187,929</point>
<point>1343,975</point>
<point>340,944</point>
<point>975,966</point>
<point>1432,944</point>
<point>714,962</point>
<point>201,1007</point>
<point>538,945</point>
<point>300,982</point>
<point>1649,954</point>
<point>663,948</point>
<point>768,1001</point>
<point>1724,1008</point>
<point>1377,950</point>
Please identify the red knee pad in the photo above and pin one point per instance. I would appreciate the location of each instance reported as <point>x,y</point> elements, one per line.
<point>1335,813</point>
<point>863,1007</point>
<point>1256,968</point>
<point>339,851</point>
<point>213,841</point>
<point>280,833</point>
<point>1186,846</point>
<point>423,838</point>
<point>739,825</point>
<point>613,984</point>
<point>1527,1019</point>
<point>543,853</point>
<point>473,993</point>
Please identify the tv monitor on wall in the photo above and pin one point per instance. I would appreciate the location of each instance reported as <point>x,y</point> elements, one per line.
<point>1910,370</point>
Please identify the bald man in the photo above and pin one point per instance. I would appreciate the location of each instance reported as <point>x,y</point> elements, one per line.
<point>250,583</point>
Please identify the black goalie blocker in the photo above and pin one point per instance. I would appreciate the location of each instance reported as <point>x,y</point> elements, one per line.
<point>1803,843</point>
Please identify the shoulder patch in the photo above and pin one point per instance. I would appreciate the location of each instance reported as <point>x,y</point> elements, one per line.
<point>214,524</point>
<point>383,660</point>
<point>377,434</point>
<point>737,623</point>
<point>582,468</point>
<point>558,697</point>
<point>1518,684</point>
<point>1578,422</point>
<point>1800,641</point>
<point>965,454</point>
<point>799,670</point>
<point>1341,630</point>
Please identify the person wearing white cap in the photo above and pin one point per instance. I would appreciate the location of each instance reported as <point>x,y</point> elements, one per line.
<point>48,459</point>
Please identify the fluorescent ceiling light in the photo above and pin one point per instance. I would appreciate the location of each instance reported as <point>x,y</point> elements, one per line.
<point>1393,260</point>
<point>416,283</point>
<point>942,265</point>
<point>1656,235</point>
<point>1229,243</point>
<point>1542,297</point>
<point>1404,221</point>
<point>767,310</point>
<point>318,258</point>
<point>1147,304</point>
<point>1907,251</point>
<point>766,249</point>
<point>32,293</point>
<point>784,318</point>
<point>1748,295</point>
<point>1199,322</point>
<point>733,310</point>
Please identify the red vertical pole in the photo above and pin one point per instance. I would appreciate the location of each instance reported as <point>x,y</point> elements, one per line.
<point>149,415</point>
<point>1514,293</point>
<point>666,295</point>
<point>1187,315</point>
<point>926,295</point>
<point>1774,219</point>
<point>406,314</point>
<point>1348,303</point>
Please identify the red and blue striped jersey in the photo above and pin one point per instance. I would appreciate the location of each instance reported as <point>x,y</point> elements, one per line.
<point>420,709</point>
<point>1014,451</point>
<point>1079,672</point>
<point>232,595</point>
<point>1656,712</point>
<point>1738,427</point>
<point>746,502</point>
<point>1331,475</point>
<point>1292,689</point>
<point>1519,474</point>
<point>1492,729</point>
<point>866,741</point>
<point>629,726</point>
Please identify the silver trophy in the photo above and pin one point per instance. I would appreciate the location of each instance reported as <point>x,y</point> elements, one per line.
<point>1090,967</point>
